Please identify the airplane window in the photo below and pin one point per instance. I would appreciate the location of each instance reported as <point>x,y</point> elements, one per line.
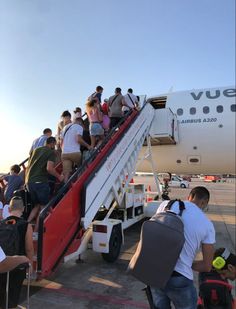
<point>219,109</point>
<point>180,111</point>
<point>233,108</point>
<point>206,109</point>
<point>192,110</point>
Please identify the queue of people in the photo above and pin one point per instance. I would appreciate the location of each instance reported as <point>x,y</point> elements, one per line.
<point>71,138</point>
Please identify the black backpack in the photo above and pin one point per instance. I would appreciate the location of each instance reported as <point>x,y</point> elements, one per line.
<point>9,237</point>
<point>214,292</point>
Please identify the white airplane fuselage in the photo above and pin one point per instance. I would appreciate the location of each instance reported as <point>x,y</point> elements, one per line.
<point>205,126</point>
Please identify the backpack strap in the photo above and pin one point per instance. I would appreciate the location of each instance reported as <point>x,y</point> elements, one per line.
<point>170,203</point>
<point>181,206</point>
<point>113,100</point>
<point>64,134</point>
<point>131,100</point>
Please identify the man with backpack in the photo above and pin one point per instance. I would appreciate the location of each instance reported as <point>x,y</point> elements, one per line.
<point>15,239</point>
<point>199,233</point>
<point>131,101</point>
<point>115,104</point>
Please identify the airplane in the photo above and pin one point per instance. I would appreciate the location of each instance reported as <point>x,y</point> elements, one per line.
<point>193,132</point>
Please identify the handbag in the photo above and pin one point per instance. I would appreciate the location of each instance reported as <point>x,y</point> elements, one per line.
<point>105,122</point>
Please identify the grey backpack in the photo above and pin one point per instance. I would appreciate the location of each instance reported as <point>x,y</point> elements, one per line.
<point>161,241</point>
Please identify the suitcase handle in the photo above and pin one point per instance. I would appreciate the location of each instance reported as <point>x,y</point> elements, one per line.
<point>24,266</point>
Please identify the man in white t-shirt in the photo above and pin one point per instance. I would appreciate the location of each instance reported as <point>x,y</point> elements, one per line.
<point>199,234</point>
<point>71,139</point>
<point>131,101</point>
<point>8,263</point>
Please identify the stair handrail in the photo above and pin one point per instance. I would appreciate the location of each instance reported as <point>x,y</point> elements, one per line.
<point>62,191</point>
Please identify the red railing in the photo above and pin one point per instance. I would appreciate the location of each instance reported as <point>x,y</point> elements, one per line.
<point>59,224</point>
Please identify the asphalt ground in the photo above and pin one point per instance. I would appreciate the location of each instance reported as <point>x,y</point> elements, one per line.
<point>93,283</point>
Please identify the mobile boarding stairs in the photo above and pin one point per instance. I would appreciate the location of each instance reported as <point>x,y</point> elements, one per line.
<point>98,202</point>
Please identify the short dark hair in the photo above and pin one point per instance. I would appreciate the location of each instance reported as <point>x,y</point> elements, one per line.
<point>50,140</point>
<point>77,110</point>
<point>66,114</point>
<point>99,88</point>
<point>47,130</point>
<point>15,168</point>
<point>200,193</point>
<point>130,90</point>
<point>230,260</point>
<point>118,90</point>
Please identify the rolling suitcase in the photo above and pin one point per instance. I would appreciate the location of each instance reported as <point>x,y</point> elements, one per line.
<point>28,267</point>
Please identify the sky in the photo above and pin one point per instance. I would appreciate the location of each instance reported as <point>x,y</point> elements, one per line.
<point>53,54</point>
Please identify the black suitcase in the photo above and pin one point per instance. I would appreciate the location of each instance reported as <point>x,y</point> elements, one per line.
<point>28,267</point>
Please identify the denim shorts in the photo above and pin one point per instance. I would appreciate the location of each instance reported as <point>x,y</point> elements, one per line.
<point>39,192</point>
<point>178,290</point>
<point>96,129</point>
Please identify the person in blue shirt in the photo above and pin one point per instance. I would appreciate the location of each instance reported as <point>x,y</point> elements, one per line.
<point>13,182</point>
<point>40,141</point>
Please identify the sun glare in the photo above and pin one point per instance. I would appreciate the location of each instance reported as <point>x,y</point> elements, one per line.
<point>16,139</point>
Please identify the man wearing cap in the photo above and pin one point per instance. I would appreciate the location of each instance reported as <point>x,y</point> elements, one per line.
<point>77,113</point>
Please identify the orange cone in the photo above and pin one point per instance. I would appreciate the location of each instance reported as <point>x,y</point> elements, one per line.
<point>149,198</point>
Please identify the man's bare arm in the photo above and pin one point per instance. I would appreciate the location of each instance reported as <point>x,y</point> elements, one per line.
<point>11,262</point>
<point>205,265</point>
<point>51,170</point>
<point>81,141</point>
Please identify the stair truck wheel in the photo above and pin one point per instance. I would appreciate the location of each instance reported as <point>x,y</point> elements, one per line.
<point>115,243</point>
<point>182,186</point>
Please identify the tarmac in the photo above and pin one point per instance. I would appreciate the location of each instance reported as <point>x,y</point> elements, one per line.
<point>93,283</point>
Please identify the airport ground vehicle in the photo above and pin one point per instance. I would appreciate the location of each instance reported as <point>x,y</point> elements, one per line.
<point>177,181</point>
<point>212,178</point>
<point>173,180</point>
